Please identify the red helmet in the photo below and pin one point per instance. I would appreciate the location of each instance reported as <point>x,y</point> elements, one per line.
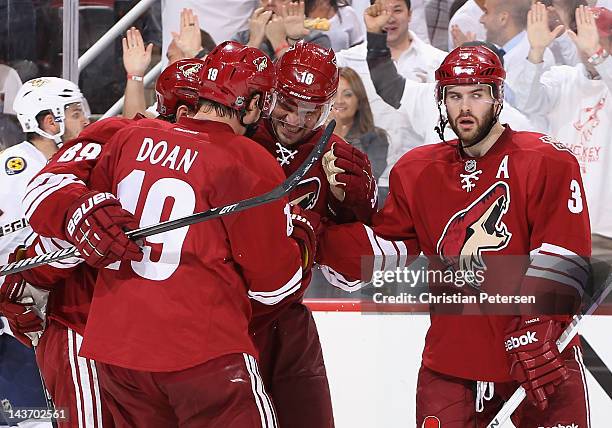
<point>470,65</point>
<point>233,73</point>
<point>307,81</point>
<point>603,18</point>
<point>307,72</point>
<point>178,83</point>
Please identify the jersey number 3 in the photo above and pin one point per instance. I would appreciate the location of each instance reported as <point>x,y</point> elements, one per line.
<point>166,190</point>
<point>574,203</point>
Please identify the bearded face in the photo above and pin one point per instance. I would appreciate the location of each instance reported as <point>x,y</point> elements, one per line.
<point>471,111</point>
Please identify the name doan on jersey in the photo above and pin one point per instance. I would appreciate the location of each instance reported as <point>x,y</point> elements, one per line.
<point>157,153</point>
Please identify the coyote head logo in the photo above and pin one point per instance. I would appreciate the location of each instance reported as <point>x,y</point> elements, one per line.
<point>477,228</point>
<point>190,70</point>
<point>261,63</point>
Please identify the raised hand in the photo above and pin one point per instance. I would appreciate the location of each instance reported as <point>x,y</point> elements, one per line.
<point>376,17</point>
<point>188,39</point>
<point>587,39</point>
<point>257,26</point>
<point>136,58</point>
<point>275,31</point>
<point>459,37</point>
<point>538,32</point>
<point>293,17</point>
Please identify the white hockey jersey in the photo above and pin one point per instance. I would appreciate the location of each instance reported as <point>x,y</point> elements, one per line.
<point>18,165</point>
<point>579,112</point>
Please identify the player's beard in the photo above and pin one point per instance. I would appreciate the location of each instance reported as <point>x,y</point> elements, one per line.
<point>478,132</point>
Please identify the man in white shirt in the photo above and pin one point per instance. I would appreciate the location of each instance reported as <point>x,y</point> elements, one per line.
<point>505,22</point>
<point>578,104</point>
<point>415,60</point>
<point>467,18</point>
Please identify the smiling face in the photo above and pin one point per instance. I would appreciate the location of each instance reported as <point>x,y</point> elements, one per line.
<point>399,21</point>
<point>470,110</point>
<point>346,104</point>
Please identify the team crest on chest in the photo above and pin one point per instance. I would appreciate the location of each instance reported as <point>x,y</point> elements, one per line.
<point>285,155</point>
<point>469,179</point>
<point>476,229</point>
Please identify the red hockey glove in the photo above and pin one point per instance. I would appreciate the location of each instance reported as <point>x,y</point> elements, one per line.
<point>19,311</point>
<point>306,227</point>
<point>96,225</point>
<point>534,358</point>
<point>350,177</point>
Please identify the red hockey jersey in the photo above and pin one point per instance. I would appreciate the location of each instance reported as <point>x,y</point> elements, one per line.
<point>187,301</point>
<point>523,197</point>
<point>53,190</point>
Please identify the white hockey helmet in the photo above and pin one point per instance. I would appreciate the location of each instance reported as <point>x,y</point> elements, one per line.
<point>47,94</point>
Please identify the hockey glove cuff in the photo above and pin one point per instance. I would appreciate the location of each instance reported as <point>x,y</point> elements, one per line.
<point>96,225</point>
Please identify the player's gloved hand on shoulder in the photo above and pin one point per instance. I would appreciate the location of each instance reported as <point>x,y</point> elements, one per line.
<point>534,358</point>
<point>16,307</point>
<point>306,228</point>
<point>96,225</point>
<point>350,177</point>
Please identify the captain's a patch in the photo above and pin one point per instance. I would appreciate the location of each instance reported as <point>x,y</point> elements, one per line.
<point>15,165</point>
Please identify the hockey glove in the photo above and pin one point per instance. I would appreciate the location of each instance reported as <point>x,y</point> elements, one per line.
<point>18,309</point>
<point>534,358</point>
<point>306,227</point>
<point>96,225</point>
<point>350,177</point>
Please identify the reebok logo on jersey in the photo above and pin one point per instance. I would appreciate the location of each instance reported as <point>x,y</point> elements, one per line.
<point>562,426</point>
<point>86,207</point>
<point>524,339</point>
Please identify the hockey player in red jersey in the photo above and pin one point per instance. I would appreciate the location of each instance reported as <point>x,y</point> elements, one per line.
<point>71,379</point>
<point>291,359</point>
<point>199,276</point>
<point>493,192</point>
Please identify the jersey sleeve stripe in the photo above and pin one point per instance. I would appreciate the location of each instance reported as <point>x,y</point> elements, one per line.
<point>275,296</point>
<point>557,277</point>
<point>563,252</point>
<point>338,280</point>
<point>43,186</point>
<point>562,266</point>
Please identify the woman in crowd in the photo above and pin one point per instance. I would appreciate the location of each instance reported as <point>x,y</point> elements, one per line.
<point>355,122</point>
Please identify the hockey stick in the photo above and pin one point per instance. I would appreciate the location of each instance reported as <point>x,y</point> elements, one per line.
<point>568,334</point>
<point>278,192</point>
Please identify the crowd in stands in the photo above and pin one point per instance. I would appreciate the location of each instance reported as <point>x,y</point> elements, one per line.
<point>556,56</point>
